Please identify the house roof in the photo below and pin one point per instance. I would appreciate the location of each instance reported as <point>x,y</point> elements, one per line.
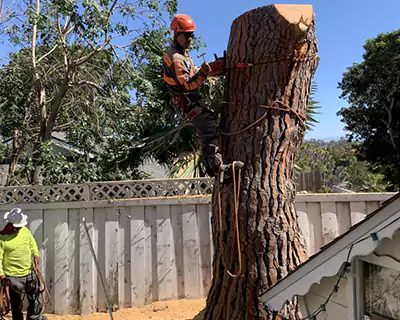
<point>357,241</point>
<point>59,139</point>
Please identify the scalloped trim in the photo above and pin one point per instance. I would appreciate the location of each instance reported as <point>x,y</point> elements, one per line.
<point>276,297</point>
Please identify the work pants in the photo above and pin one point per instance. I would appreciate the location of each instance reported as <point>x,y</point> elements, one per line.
<point>29,286</point>
<point>205,122</point>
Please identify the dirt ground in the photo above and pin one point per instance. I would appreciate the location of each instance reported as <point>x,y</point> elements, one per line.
<point>169,310</point>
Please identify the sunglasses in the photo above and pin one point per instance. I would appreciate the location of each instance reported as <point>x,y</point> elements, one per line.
<point>188,35</point>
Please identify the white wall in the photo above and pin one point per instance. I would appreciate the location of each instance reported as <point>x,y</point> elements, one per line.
<point>390,246</point>
<point>337,306</point>
<point>341,305</point>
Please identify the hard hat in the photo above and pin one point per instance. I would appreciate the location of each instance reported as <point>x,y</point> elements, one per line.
<point>16,217</point>
<point>182,23</point>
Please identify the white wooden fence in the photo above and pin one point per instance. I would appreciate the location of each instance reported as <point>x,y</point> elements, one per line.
<point>149,249</point>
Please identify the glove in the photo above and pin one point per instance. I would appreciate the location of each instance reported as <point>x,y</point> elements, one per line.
<point>218,66</point>
<point>206,68</point>
<point>3,280</point>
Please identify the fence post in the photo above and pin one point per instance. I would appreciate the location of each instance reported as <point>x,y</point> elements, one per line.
<point>86,192</point>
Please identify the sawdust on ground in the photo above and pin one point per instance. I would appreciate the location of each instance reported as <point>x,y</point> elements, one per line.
<point>168,310</point>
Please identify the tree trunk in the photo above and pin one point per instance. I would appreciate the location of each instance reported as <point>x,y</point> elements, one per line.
<point>279,42</point>
<point>41,99</point>
<point>16,150</point>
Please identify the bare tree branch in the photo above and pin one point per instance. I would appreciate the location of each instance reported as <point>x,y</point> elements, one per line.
<point>93,53</point>
<point>56,105</point>
<point>48,53</point>
<point>37,78</point>
<point>110,12</point>
<point>89,83</point>
<point>63,126</point>
<point>120,60</point>
<point>40,91</point>
<point>123,46</point>
<point>66,25</point>
<point>63,41</point>
<point>1,9</point>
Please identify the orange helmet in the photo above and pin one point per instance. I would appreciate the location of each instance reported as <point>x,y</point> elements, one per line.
<point>182,23</point>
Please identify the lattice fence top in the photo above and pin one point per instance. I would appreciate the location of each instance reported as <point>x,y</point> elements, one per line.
<point>106,190</point>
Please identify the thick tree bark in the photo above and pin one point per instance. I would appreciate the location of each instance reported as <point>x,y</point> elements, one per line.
<point>279,42</point>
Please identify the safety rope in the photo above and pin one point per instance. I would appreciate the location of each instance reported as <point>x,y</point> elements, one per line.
<point>244,65</point>
<point>236,193</point>
<point>43,291</point>
<point>286,108</point>
<point>236,188</point>
<point>5,302</point>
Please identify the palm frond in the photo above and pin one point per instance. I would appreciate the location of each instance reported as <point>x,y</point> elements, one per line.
<point>163,139</point>
<point>312,108</point>
<point>189,166</point>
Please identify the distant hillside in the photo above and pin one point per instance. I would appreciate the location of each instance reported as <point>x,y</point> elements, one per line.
<point>332,138</point>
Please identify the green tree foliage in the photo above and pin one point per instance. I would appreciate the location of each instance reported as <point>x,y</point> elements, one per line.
<point>76,75</point>
<point>94,118</point>
<point>372,89</point>
<point>119,128</point>
<point>339,166</point>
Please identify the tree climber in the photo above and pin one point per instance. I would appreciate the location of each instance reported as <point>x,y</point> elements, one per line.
<point>184,80</point>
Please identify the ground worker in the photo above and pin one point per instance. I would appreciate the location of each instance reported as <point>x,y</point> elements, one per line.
<point>184,80</point>
<point>18,256</point>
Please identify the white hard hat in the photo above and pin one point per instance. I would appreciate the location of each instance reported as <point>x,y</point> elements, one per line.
<point>16,217</point>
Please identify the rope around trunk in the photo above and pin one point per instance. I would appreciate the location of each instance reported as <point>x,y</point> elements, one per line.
<point>285,107</point>
<point>236,193</point>
<point>236,189</point>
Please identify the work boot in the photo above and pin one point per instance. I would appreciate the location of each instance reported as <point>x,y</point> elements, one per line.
<point>225,173</point>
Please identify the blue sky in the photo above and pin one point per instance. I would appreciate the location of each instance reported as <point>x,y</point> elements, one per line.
<point>342,28</point>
